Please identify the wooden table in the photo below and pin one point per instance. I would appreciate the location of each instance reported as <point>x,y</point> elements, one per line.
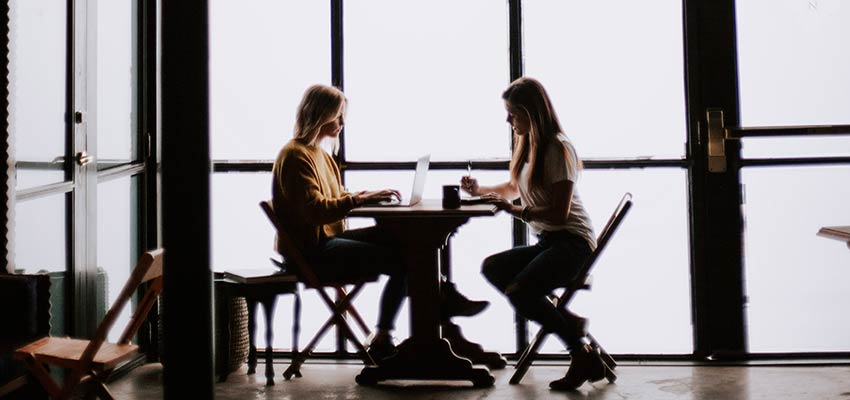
<point>423,231</point>
<point>836,232</point>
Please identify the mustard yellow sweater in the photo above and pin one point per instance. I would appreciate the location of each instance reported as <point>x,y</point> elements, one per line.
<point>307,194</point>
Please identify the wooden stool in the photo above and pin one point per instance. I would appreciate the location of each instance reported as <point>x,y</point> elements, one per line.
<point>266,294</point>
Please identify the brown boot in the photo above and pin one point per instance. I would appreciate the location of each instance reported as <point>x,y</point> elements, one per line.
<point>585,365</point>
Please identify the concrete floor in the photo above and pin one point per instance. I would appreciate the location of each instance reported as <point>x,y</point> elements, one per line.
<point>650,381</point>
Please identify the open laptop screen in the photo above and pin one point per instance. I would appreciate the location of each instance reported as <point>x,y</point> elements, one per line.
<point>415,195</point>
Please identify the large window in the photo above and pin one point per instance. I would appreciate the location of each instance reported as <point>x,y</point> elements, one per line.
<point>74,119</point>
<point>427,77</point>
<point>254,92</point>
<point>614,71</point>
<point>795,278</point>
<point>422,78</point>
<point>792,63</point>
<point>263,55</point>
<point>792,57</point>
<point>616,81</point>
<point>37,90</point>
<point>117,85</point>
<point>792,72</point>
<point>117,243</point>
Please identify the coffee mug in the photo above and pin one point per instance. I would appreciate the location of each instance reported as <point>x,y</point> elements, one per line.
<point>451,196</point>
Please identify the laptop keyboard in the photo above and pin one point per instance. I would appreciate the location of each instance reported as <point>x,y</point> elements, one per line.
<point>390,202</point>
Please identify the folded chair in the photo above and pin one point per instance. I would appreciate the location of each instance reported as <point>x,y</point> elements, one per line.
<point>294,259</point>
<point>581,282</point>
<point>91,361</point>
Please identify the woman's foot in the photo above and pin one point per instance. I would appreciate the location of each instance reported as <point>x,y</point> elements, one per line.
<point>586,365</point>
<point>455,304</point>
<point>381,346</point>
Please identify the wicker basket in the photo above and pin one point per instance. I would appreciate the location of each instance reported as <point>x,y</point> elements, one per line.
<point>238,323</point>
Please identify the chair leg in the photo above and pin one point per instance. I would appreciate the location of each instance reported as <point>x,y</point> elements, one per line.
<point>338,314</point>
<point>296,327</point>
<point>528,356</point>
<point>609,361</point>
<point>268,308</point>
<point>524,355</point>
<point>252,328</point>
<point>353,311</point>
<point>43,377</point>
<point>12,386</point>
<point>337,318</point>
<point>102,391</point>
<point>298,359</point>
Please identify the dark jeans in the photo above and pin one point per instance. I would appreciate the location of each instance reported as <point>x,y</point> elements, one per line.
<point>361,252</point>
<point>532,272</point>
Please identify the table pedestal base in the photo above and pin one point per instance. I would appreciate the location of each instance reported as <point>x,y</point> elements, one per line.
<point>438,363</point>
<point>470,350</point>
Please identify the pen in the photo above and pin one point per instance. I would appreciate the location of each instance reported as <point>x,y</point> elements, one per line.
<point>469,169</point>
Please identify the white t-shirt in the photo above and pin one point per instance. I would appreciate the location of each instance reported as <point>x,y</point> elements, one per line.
<point>557,168</point>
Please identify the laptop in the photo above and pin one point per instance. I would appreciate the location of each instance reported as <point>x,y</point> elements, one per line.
<point>418,186</point>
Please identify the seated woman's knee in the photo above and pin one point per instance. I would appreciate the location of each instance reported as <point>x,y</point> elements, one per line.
<point>490,268</point>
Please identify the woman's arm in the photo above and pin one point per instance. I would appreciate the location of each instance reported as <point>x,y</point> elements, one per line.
<point>299,182</point>
<point>507,190</point>
<point>554,214</point>
<point>558,211</point>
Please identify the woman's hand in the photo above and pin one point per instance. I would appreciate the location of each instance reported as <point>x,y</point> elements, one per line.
<point>497,200</point>
<point>469,185</point>
<point>375,196</point>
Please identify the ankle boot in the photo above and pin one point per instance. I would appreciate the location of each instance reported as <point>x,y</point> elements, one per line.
<point>380,347</point>
<point>585,365</point>
<point>455,304</point>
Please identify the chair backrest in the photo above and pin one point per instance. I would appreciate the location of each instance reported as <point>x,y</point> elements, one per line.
<point>290,251</point>
<point>602,240</point>
<point>148,269</point>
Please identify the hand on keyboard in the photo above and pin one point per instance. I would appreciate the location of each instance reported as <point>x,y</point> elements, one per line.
<point>391,202</point>
<point>376,196</point>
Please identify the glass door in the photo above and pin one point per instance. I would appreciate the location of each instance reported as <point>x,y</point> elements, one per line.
<point>73,115</point>
<point>795,168</point>
<point>43,136</point>
<point>770,138</point>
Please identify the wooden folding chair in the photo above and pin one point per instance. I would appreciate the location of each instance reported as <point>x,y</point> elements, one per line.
<point>581,282</point>
<point>92,361</point>
<point>339,309</point>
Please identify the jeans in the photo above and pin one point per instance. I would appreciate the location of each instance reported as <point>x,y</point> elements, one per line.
<point>359,253</point>
<point>530,273</point>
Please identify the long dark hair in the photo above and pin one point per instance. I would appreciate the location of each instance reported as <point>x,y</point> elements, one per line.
<point>527,95</point>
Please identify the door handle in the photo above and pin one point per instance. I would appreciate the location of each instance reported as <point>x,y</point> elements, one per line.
<point>83,158</point>
<point>717,135</point>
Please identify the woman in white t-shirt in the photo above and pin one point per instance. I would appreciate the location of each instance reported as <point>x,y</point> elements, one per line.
<point>544,176</point>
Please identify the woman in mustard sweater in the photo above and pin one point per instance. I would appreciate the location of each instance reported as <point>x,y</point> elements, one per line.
<point>308,197</point>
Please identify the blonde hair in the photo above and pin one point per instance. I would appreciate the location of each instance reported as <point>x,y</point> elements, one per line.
<point>528,96</point>
<point>320,104</point>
